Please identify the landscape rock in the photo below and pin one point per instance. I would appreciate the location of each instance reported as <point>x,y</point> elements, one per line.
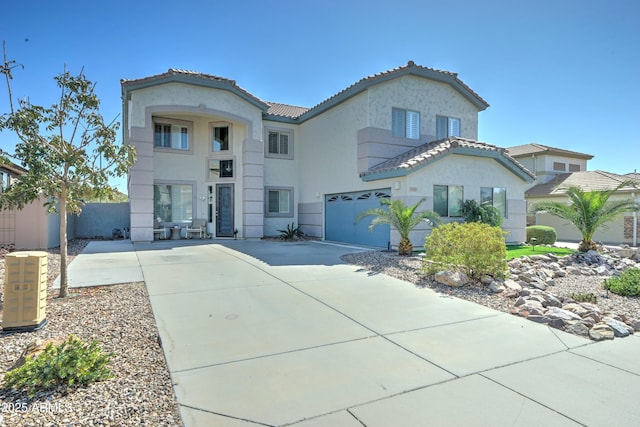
<point>496,287</point>
<point>578,328</point>
<point>601,332</point>
<point>558,313</point>
<point>451,278</point>
<point>512,285</point>
<point>620,329</point>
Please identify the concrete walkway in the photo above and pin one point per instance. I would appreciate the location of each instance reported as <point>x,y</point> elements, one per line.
<point>273,333</point>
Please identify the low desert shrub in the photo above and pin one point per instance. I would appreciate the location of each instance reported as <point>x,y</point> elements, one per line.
<point>474,248</point>
<point>70,363</point>
<point>626,284</point>
<point>543,234</point>
<point>590,297</point>
<point>292,232</point>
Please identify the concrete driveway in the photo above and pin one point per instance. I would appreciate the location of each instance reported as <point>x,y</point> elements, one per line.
<point>274,333</point>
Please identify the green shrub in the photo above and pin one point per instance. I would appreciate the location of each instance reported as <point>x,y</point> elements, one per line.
<point>544,235</point>
<point>474,248</point>
<point>292,232</point>
<point>627,284</point>
<point>590,297</point>
<point>70,363</point>
<point>485,213</point>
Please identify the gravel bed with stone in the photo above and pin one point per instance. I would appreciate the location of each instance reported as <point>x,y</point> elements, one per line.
<point>541,288</point>
<point>120,318</point>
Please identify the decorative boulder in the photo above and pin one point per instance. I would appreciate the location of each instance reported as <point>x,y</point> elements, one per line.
<point>451,278</point>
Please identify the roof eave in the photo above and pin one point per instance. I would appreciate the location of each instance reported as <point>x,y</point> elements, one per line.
<point>468,151</point>
<point>364,84</point>
<point>133,85</point>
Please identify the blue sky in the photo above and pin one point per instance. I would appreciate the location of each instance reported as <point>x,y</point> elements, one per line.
<point>559,73</point>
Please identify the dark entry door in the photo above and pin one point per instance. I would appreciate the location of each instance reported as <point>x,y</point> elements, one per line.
<point>224,210</point>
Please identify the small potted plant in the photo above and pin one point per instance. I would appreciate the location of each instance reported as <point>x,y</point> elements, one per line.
<point>235,234</point>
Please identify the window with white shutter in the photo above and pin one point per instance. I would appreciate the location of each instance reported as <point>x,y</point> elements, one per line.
<point>405,123</point>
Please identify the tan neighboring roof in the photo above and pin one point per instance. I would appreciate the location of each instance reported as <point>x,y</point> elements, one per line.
<point>533,148</point>
<point>285,110</point>
<point>586,180</point>
<point>434,150</point>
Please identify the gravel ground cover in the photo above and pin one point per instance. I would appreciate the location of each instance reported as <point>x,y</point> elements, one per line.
<point>120,318</point>
<point>409,269</point>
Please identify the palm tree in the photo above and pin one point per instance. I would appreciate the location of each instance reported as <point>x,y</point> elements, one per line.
<point>589,210</point>
<point>402,218</point>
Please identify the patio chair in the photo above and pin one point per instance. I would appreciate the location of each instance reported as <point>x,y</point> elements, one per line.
<point>159,233</point>
<point>198,226</point>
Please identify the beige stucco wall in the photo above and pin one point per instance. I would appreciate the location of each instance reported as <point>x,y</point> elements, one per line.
<point>542,166</point>
<point>428,97</point>
<point>472,173</point>
<point>283,173</point>
<point>203,107</point>
<point>612,233</point>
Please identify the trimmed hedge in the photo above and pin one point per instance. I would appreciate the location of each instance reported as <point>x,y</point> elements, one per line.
<point>543,234</point>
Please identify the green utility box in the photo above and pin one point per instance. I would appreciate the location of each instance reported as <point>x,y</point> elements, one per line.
<point>25,291</point>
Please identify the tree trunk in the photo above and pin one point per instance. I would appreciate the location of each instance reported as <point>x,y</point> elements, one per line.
<point>405,248</point>
<point>63,243</point>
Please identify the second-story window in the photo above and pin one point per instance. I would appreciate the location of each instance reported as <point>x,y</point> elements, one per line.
<point>172,134</point>
<point>447,126</point>
<point>220,139</point>
<point>405,123</point>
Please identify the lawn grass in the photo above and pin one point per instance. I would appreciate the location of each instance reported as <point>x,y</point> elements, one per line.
<point>516,251</point>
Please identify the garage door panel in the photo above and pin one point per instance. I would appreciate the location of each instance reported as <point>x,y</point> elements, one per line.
<point>341,211</point>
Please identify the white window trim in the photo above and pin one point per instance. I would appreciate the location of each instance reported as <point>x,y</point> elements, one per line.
<point>266,203</point>
<point>285,131</point>
<point>234,171</point>
<point>169,121</point>
<point>212,126</point>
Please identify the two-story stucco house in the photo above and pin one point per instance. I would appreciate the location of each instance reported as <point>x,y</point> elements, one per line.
<point>208,149</point>
<point>557,169</point>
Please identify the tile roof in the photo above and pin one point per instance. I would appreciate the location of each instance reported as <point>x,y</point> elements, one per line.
<point>431,151</point>
<point>412,69</point>
<point>189,76</point>
<point>276,109</point>
<point>291,111</point>
<point>586,180</point>
<point>533,148</point>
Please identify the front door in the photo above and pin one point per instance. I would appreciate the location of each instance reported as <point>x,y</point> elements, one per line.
<point>224,210</point>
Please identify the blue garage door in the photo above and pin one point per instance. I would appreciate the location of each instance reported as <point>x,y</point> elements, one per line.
<point>341,211</point>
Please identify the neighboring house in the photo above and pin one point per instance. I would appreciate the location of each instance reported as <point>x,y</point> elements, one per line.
<point>557,169</point>
<point>208,149</point>
<point>30,227</point>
